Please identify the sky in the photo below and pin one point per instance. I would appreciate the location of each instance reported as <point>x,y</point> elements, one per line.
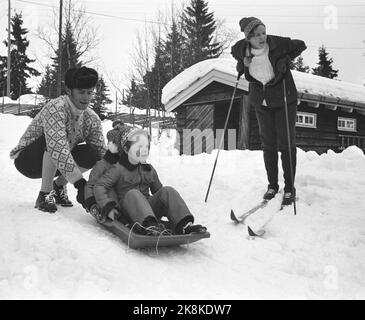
<point>338,25</point>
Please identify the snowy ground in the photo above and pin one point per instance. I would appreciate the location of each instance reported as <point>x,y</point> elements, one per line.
<point>318,254</point>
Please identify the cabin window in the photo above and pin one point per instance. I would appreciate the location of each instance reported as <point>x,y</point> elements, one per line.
<point>307,120</point>
<point>346,124</point>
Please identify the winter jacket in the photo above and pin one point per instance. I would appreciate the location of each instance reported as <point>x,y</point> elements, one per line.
<point>56,122</point>
<point>124,177</point>
<point>281,51</point>
<point>96,172</point>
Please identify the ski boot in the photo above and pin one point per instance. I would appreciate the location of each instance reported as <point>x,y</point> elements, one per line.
<point>193,228</point>
<point>61,196</point>
<point>288,199</point>
<point>270,193</point>
<point>46,202</point>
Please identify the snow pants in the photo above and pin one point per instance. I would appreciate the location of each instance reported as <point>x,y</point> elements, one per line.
<point>166,202</point>
<point>273,134</point>
<point>29,162</point>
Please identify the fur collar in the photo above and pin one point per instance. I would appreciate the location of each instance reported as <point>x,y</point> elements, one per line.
<point>123,160</point>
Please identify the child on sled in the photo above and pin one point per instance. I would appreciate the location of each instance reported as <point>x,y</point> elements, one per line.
<point>110,158</point>
<point>132,180</point>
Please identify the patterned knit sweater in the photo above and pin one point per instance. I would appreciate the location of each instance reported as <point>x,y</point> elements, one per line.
<point>63,131</point>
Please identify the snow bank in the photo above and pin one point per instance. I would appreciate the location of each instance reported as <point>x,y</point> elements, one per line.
<point>6,100</point>
<point>317,254</point>
<point>24,99</point>
<point>31,99</point>
<point>125,109</point>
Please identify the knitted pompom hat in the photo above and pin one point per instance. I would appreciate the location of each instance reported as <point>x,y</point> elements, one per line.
<point>128,136</point>
<point>114,135</point>
<point>248,24</point>
<point>117,124</point>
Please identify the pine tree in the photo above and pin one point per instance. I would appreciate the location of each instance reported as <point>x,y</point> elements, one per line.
<point>101,98</point>
<point>157,77</point>
<point>167,64</point>
<point>299,65</point>
<point>199,27</point>
<point>70,59</point>
<point>48,83</point>
<point>136,95</point>
<point>2,78</point>
<point>70,55</point>
<point>324,68</point>
<point>173,48</point>
<point>20,70</point>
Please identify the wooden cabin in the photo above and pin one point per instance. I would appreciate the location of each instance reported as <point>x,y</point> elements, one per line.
<point>331,113</point>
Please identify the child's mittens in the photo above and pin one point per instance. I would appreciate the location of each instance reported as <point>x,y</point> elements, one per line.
<point>96,212</point>
<point>113,214</point>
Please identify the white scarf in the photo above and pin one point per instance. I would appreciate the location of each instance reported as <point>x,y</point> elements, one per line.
<point>260,67</point>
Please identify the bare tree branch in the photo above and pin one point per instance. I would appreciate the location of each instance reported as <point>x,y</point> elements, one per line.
<point>81,24</point>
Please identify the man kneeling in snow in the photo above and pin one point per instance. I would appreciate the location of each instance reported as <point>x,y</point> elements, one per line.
<point>50,146</point>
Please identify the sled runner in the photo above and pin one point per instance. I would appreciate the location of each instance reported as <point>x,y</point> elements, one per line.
<point>135,240</point>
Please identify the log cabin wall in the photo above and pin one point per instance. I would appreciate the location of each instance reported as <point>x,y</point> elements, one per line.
<point>326,134</point>
<point>206,110</point>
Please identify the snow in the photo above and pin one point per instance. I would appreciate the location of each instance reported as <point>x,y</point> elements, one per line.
<point>6,100</point>
<point>317,254</point>
<point>185,78</point>
<point>307,83</point>
<point>24,99</point>
<point>125,109</point>
<point>30,98</point>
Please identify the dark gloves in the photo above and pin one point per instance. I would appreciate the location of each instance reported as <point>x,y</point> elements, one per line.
<point>108,212</point>
<point>109,207</point>
<point>89,202</point>
<point>283,64</point>
<point>240,69</point>
<point>80,186</point>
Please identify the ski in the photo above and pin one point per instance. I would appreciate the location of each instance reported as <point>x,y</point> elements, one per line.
<point>242,217</point>
<point>258,233</point>
<point>261,231</point>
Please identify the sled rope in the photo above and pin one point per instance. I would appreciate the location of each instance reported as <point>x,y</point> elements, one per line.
<point>158,239</point>
<point>130,232</point>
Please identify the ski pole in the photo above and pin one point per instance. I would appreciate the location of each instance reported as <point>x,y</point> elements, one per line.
<point>289,145</point>
<point>222,138</point>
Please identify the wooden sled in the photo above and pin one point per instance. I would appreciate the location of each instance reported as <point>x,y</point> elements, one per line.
<point>135,240</point>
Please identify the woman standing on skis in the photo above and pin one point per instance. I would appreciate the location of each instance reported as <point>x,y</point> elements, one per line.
<point>264,60</point>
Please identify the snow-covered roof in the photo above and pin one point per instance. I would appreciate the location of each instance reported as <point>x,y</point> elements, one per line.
<point>30,98</point>
<point>24,99</point>
<point>123,108</point>
<point>7,100</point>
<point>310,87</point>
<point>126,109</point>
